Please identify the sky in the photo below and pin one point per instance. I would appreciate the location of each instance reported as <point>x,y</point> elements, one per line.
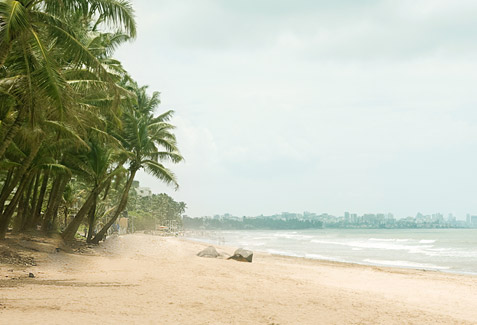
<point>323,106</point>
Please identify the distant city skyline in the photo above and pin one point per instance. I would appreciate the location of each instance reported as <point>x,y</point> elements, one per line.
<point>353,220</point>
<point>315,105</point>
<point>450,216</point>
<point>146,191</point>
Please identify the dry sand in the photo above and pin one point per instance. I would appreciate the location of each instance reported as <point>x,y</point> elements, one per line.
<point>145,279</point>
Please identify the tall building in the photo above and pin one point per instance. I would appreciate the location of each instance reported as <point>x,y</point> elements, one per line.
<point>451,219</point>
<point>473,221</point>
<point>354,218</point>
<point>346,216</point>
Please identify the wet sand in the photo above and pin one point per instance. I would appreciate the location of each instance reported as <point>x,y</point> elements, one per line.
<point>146,279</point>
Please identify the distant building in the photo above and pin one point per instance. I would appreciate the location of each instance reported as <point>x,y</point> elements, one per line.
<point>473,221</point>
<point>288,215</point>
<point>353,218</point>
<point>437,217</point>
<point>451,219</point>
<point>143,191</point>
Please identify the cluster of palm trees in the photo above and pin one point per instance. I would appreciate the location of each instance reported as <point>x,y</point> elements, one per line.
<point>74,126</point>
<point>147,212</point>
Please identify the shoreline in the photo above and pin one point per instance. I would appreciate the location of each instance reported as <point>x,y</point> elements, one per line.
<point>401,262</point>
<point>384,268</point>
<point>151,279</point>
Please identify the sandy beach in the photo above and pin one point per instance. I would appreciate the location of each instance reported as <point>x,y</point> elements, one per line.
<point>146,279</point>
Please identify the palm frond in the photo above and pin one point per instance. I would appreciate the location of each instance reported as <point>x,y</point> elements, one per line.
<point>13,20</point>
<point>48,77</point>
<point>66,129</point>
<point>6,164</point>
<point>160,172</point>
<point>174,157</point>
<point>118,13</point>
<point>59,168</point>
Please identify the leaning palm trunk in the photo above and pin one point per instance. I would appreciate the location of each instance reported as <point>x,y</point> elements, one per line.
<point>91,215</point>
<point>122,204</point>
<point>22,210</point>
<point>36,214</point>
<point>6,216</point>
<point>54,202</point>
<point>51,199</point>
<point>32,202</point>
<point>18,176</point>
<point>6,183</point>
<point>70,231</point>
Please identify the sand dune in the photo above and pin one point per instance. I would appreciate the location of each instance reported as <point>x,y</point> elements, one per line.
<point>153,280</point>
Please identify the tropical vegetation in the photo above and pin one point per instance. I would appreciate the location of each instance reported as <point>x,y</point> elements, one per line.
<point>207,223</point>
<point>149,212</point>
<point>75,128</point>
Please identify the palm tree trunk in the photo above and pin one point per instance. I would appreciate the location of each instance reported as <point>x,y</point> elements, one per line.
<point>29,214</point>
<point>54,201</point>
<point>7,215</point>
<point>23,206</point>
<point>52,197</point>
<point>53,220</point>
<point>8,187</point>
<point>18,176</point>
<point>122,204</point>
<point>91,214</point>
<point>7,181</point>
<point>70,231</point>
<point>36,215</point>
<point>65,214</point>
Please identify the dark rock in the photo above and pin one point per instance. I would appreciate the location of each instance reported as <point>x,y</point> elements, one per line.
<point>209,252</point>
<point>242,255</point>
<point>31,275</point>
<point>58,249</point>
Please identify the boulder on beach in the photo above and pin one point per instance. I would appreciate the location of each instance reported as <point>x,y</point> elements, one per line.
<point>242,255</point>
<point>209,252</point>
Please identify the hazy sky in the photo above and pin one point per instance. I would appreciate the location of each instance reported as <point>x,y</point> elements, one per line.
<point>324,106</point>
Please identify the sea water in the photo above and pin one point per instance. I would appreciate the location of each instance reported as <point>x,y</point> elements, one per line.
<point>449,250</point>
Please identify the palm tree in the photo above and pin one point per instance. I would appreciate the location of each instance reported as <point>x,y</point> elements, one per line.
<point>96,166</point>
<point>35,37</point>
<point>56,73</point>
<point>66,112</point>
<point>147,141</point>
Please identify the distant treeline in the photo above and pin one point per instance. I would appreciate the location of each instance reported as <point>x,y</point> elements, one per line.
<point>249,223</point>
<point>155,210</point>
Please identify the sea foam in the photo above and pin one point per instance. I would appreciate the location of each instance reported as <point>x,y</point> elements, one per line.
<point>405,264</point>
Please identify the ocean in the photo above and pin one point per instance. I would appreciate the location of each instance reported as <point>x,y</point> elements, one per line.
<point>448,250</point>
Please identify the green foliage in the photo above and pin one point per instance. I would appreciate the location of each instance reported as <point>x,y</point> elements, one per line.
<point>71,118</point>
<point>154,210</point>
<point>250,223</point>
